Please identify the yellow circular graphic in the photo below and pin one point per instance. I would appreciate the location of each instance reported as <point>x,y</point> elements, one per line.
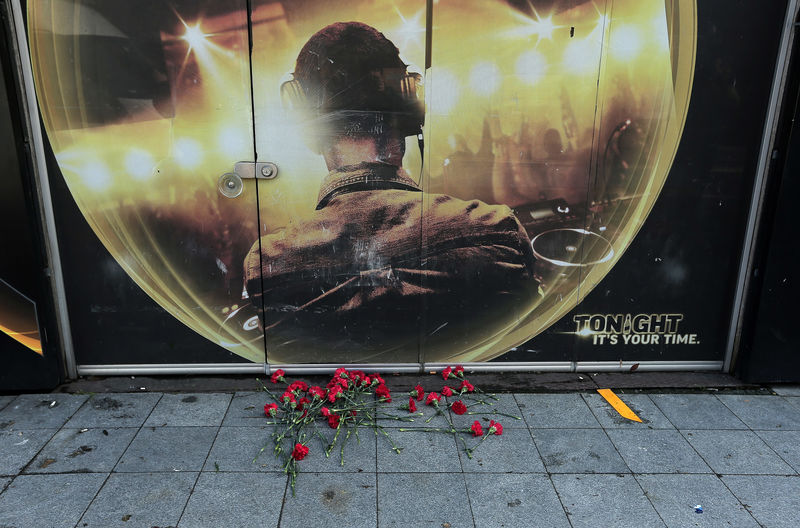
<point>173,133</point>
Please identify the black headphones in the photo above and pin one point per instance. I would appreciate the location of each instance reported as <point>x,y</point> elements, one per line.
<point>410,114</point>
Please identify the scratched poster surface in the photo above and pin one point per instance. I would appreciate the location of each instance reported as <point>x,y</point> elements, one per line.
<point>380,181</point>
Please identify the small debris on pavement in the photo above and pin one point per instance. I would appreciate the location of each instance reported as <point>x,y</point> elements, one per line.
<point>698,509</point>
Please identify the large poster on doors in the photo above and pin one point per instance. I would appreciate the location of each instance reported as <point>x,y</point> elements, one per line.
<point>366,181</point>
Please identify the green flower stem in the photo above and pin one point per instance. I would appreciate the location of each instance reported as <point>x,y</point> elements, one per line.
<point>394,446</point>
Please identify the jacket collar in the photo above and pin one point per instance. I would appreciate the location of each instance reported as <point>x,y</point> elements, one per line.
<point>363,176</point>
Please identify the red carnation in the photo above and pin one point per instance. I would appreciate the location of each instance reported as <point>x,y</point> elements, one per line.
<point>459,370</point>
<point>383,393</point>
<point>299,452</point>
<point>288,397</point>
<point>333,421</point>
<point>302,403</point>
<point>433,399</point>
<point>466,386</point>
<point>317,392</point>
<point>476,428</point>
<point>333,393</point>
<point>459,407</point>
<point>271,409</point>
<point>412,405</point>
<point>418,392</point>
<point>341,372</point>
<point>325,411</point>
<point>298,386</point>
<point>495,428</point>
<point>447,391</point>
<point>446,372</point>
<point>377,378</point>
<point>278,376</point>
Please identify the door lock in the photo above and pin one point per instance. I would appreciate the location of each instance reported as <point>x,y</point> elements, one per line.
<point>263,170</point>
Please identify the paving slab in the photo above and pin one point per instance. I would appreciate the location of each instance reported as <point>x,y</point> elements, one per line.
<point>483,407</point>
<point>794,400</point>
<point>83,451</point>
<point>675,497</point>
<point>247,408</point>
<point>513,501</point>
<point>37,411</point>
<point>114,410</point>
<point>139,499</point>
<point>641,404</point>
<point>416,420</point>
<point>657,451</point>
<point>696,411</point>
<point>785,443</point>
<point>359,453</point>
<point>167,449</point>
<point>244,500</point>
<point>17,448</point>
<point>423,500</point>
<point>786,390</point>
<point>5,400</point>
<point>427,452</point>
<point>772,500</point>
<point>578,451</point>
<point>239,449</point>
<point>189,410</point>
<point>52,501</point>
<point>331,500</point>
<point>513,452</point>
<point>556,411</point>
<point>737,452</point>
<point>763,412</point>
<point>605,500</point>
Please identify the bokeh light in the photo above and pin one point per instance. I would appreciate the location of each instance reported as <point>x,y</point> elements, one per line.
<point>531,67</point>
<point>96,175</point>
<point>485,78</point>
<point>139,164</point>
<point>625,42</point>
<point>442,91</point>
<point>188,153</point>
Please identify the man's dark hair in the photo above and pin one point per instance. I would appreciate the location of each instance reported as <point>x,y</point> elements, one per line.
<point>340,68</point>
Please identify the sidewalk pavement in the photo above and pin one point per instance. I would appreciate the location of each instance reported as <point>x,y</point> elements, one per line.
<point>186,460</point>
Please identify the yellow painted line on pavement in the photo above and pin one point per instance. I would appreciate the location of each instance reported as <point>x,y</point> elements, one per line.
<point>618,405</point>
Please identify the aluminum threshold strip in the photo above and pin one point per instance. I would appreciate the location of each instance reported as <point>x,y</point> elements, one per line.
<point>43,188</point>
<point>757,203</point>
<point>329,368</point>
<point>507,366</point>
<point>171,368</point>
<point>408,368</point>
<point>647,366</point>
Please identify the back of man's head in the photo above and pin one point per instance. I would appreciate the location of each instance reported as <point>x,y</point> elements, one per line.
<point>344,67</point>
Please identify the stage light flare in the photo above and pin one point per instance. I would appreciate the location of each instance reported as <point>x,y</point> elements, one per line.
<point>625,42</point>
<point>139,164</point>
<point>585,331</point>
<point>187,152</point>
<point>485,78</point>
<point>442,91</point>
<point>542,28</point>
<point>531,66</point>
<point>96,175</point>
<point>411,29</point>
<point>194,36</point>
